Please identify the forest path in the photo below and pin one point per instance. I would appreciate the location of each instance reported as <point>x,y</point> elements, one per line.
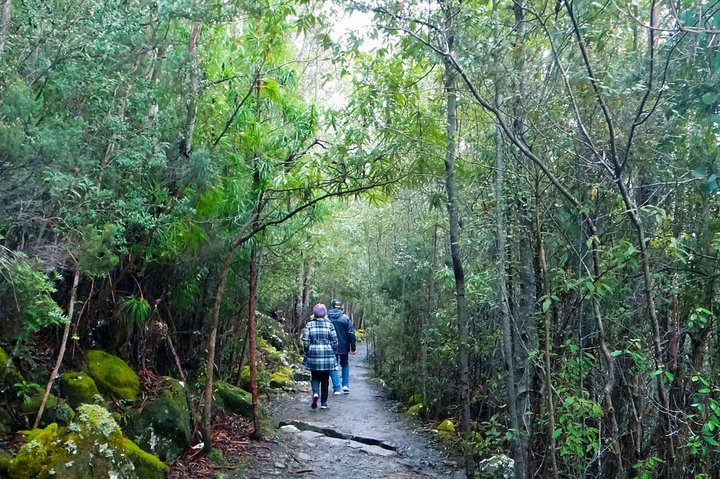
<point>359,436</point>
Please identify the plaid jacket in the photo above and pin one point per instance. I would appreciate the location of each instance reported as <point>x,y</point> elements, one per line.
<point>320,343</point>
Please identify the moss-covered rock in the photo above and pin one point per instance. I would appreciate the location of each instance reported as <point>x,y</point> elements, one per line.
<point>5,459</point>
<point>282,379</point>
<point>3,361</point>
<point>113,375</point>
<point>415,410</point>
<point>146,465</point>
<point>446,431</point>
<point>91,447</point>
<point>233,398</point>
<point>164,427</point>
<point>446,425</point>
<point>79,388</point>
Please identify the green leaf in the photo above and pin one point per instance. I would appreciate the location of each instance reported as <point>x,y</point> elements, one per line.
<point>270,89</point>
<point>546,304</point>
<point>711,440</point>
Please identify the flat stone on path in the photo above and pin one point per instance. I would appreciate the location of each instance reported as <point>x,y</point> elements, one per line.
<point>310,435</point>
<point>335,441</point>
<point>377,451</point>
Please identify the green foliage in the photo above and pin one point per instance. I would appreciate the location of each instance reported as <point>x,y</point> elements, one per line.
<point>31,291</point>
<point>26,390</point>
<point>706,406</point>
<point>136,310</point>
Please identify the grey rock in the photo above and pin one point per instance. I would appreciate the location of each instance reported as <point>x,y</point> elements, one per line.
<point>378,451</point>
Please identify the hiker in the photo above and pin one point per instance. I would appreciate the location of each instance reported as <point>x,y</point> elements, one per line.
<point>346,344</point>
<point>320,343</point>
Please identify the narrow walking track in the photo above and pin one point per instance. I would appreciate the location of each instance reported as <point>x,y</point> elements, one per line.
<point>358,436</point>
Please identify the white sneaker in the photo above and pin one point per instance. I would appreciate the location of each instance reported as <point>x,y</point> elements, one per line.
<point>314,401</point>
<point>337,393</point>
<point>346,390</point>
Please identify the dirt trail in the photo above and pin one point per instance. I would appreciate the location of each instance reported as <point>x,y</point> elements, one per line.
<point>358,436</point>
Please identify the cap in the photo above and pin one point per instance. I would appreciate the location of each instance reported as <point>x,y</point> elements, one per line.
<point>336,303</point>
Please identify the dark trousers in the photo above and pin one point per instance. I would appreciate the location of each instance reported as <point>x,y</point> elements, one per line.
<point>319,381</point>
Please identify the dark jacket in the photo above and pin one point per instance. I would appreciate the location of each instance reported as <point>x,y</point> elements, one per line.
<point>344,329</point>
<point>320,343</point>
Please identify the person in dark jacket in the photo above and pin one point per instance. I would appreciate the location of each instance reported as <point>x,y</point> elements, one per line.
<point>346,344</point>
<point>320,343</point>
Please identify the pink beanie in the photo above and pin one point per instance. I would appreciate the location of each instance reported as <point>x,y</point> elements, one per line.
<point>319,311</point>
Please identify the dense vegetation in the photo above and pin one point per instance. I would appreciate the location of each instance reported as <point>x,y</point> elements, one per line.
<point>517,199</point>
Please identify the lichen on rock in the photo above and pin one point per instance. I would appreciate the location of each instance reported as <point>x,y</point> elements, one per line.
<point>92,446</point>
<point>113,375</point>
<point>164,427</point>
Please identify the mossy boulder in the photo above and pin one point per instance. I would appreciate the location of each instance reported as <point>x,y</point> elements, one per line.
<point>415,410</point>
<point>446,431</point>
<point>79,388</point>
<point>164,427</point>
<point>282,379</point>
<point>233,398</point>
<point>92,446</point>
<point>5,459</point>
<point>3,361</point>
<point>146,465</point>
<point>112,375</point>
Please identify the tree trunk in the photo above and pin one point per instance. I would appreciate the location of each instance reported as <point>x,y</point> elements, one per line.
<point>257,433</point>
<point>547,346</point>
<point>5,18</point>
<point>186,140</point>
<point>454,223</point>
<point>524,330</point>
<point>63,344</point>
<point>299,304</point>
<point>519,454</point>
<point>208,396</point>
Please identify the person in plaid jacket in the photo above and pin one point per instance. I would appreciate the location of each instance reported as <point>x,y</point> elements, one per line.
<point>320,343</point>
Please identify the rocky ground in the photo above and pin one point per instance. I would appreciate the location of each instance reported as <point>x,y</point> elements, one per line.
<point>359,436</point>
